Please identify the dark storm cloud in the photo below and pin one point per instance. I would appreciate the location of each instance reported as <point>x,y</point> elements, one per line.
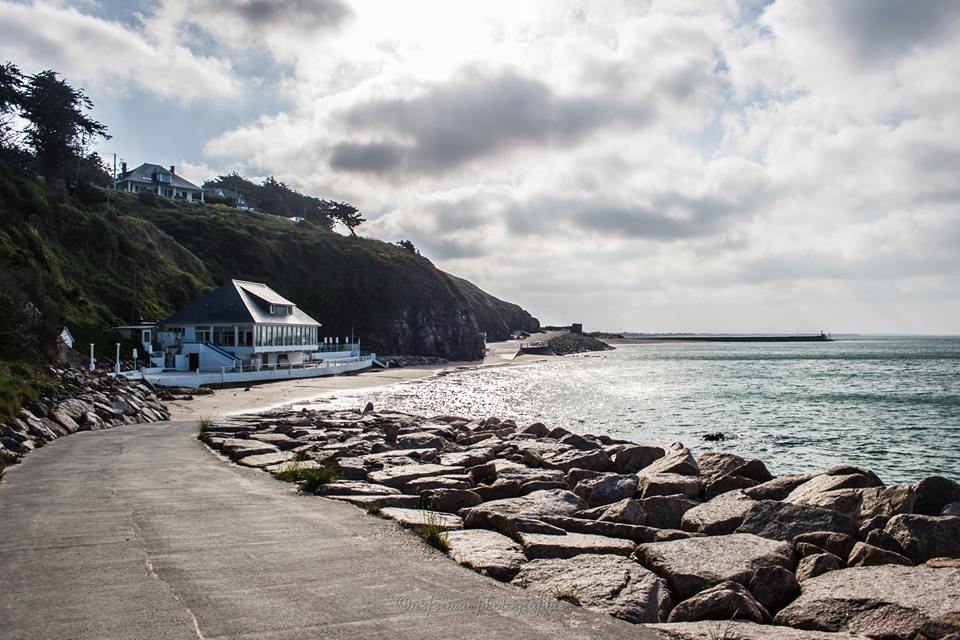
<point>876,29</point>
<point>668,216</point>
<point>300,15</point>
<point>479,114</point>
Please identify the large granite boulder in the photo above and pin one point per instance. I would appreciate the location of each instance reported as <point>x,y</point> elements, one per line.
<point>607,488</point>
<point>863,504</point>
<point>924,537</point>
<point>636,533</point>
<point>677,460</point>
<point>817,564</point>
<point>631,459</point>
<point>399,476</point>
<point>838,544</point>
<point>867,555</point>
<point>773,587</point>
<point>784,521</point>
<point>777,488</point>
<point>626,511</point>
<point>541,545</point>
<point>714,464</point>
<point>666,512</point>
<point>266,459</point>
<point>602,582</point>
<point>594,460</point>
<point>670,484</point>
<point>830,482</point>
<point>934,493</point>
<point>692,565</point>
<point>450,500</point>
<point>487,552</point>
<point>738,630</point>
<point>891,602</point>
<point>720,515</point>
<point>723,601</point>
<point>503,514</point>
<point>725,484</point>
<point>353,488</point>
<point>414,518</point>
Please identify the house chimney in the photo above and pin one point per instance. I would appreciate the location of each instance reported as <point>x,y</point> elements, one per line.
<point>173,169</point>
<point>123,167</point>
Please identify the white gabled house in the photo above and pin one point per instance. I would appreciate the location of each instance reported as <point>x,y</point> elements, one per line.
<point>242,332</point>
<point>156,179</point>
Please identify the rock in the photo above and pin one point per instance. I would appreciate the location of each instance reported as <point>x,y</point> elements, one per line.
<point>723,601</point>
<point>692,565</point>
<point>817,564</point>
<point>952,509</point>
<point>678,460</point>
<point>602,582</point>
<point>725,484</point>
<point>753,470</point>
<point>631,459</point>
<point>626,511</point>
<point>486,552</point>
<point>279,440</point>
<point>891,602</point>
<point>883,540</point>
<point>413,518</point>
<point>606,489</point>
<point>666,512</point>
<point>596,460</point>
<point>933,494</point>
<point>354,488</point>
<point>537,429</point>
<point>778,488</point>
<point>863,504</point>
<point>236,448</point>
<point>636,533</point>
<point>867,555</point>
<point>669,484</point>
<point>266,459</point>
<point>773,587</point>
<point>576,476</point>
<point>784,521</point>
<point>65,420</point>
<point>924,537</point>
<point>540,485</point>
<point>737,630</point>
<point>579,442</point>
<point>450,500</point>
<point>399,476</point>
<point>500,514</point>
<point>715,464</point>
<point>719,516</point>
<point>420,440</point>
<point>838,544</point>
<point>438,482</point>
<point>805,549</point>
<point>540,545</point>
<point>876,522</point>
<point>826,482</point>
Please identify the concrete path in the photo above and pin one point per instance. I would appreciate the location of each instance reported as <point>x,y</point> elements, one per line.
<point>141,532</point>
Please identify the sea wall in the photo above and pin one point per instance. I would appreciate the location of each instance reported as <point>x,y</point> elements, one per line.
<point>645,532</point>
<point>82,402</point>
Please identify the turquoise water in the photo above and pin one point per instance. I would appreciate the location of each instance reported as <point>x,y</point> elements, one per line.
<point>890,404</point>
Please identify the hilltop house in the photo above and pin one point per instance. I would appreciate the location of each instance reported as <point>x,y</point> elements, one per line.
<point>155,179</point>
<point>231,196</point>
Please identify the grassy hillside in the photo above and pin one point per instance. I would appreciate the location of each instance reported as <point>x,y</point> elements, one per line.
<point>98,267</point>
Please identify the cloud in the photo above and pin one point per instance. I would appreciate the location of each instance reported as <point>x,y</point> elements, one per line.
<point>477,114</point>
<point>108,56</point>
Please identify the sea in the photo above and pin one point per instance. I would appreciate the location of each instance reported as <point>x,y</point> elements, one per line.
<point>890,404</point>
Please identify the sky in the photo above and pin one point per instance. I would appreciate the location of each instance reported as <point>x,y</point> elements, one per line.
<point>721,166</point>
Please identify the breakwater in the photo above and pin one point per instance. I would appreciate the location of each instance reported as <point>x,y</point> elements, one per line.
<point>646,532</point>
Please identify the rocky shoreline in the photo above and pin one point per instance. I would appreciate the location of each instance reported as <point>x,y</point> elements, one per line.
<point>83,402</point>
<point>706,547</point>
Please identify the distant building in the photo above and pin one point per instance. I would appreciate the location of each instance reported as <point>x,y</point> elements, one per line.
<point>233,197</point>
<point>153,178</point>
<point>576,327</point>
<point>66,337</point>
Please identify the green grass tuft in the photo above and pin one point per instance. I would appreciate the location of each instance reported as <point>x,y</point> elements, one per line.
<point>309,478</point>
<point>3,472</point>
<point>433,533</point>
<point>206,424</point>
<point>722,631</point>
<point>566,595</point>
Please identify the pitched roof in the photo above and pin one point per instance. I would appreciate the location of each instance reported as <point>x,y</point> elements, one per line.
<point>144,174</point>
<point>241,302</point>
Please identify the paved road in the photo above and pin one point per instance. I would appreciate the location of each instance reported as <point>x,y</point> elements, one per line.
<point>141,532</point>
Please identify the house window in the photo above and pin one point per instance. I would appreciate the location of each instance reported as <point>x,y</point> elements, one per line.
<point>203,334</point>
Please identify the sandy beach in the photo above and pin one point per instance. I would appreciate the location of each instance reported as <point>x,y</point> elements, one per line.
<point>271,395</point>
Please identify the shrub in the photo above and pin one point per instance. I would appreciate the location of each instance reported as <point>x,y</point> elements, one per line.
<point>147,197</point>
<point>433,533</point>
<point>309,477</point>
<point>206,424</point>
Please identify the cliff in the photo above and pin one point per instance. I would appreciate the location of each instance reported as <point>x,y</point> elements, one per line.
<point>95,266</point>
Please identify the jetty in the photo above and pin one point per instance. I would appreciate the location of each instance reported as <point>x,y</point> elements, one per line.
<point>683,337</point>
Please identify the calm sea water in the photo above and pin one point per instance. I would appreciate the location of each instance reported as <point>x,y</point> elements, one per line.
<point>890,404</point>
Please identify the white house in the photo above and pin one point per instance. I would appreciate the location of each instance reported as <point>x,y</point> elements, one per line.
<point>156,179</point>
<point>233,197</point>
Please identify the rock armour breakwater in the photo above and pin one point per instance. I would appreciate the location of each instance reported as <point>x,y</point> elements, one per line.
<point>83,402</point>
<point>646,533</point>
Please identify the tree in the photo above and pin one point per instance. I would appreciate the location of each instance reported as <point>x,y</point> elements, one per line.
<point>11,97</point>
<point>58,128</point>
<point>347,214</point>
<point>409,246</point>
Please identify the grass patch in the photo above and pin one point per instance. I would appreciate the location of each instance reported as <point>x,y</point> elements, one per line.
<point>20,383</point>
<point>433,533</point>
<point>206,424</point>
<point>3,472</point>
<point>566,595</point>
<point>309,478</point>
<point>372,508</point>
<point>722,631</point>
